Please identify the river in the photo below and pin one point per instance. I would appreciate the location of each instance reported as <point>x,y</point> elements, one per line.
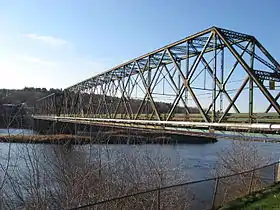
<point>197,159</point>
<point>183,162</point>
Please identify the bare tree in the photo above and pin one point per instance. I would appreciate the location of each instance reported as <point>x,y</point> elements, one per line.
<point>56,176</point>
<point>239,157</point>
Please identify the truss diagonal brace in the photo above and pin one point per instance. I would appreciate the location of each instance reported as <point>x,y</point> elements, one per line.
<point>148,91</point>
<point>277,65</point>
<point>270,106</point>
<point>177,92</point>
<point>124,92</point>
<point>210,70</point>
<point>251,74</point>
<point>198,58</point>
<point>234,99</point>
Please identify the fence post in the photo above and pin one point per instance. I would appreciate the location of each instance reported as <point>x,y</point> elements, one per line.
<point>274,172</point>
<point>158,199</point>
<point>1,200</point>
<point>215,192</point>
<point>251,182</point>
<point>53,128</point>
<point>277,171</point>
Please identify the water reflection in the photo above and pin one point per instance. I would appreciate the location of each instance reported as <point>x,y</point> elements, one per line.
<point>44,173</point>
<point>14,131</point>
<point>197,159</point>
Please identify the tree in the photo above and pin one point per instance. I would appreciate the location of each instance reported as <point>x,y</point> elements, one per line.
<point>239,157</point>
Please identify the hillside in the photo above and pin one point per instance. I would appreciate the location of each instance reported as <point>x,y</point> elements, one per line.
<point>29,97</point>
<point>16,106</point>
<point>26,95</point>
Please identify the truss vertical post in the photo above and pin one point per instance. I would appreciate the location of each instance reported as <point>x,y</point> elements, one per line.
<point>149,79</point>
<point>222,80</point>
<point>179,81</point>
<point>187,69</point>
<point>179,78</point>
<point>251,83</point>
<point>128,84</point>
<point>214,79</point>
<point>81,106</point>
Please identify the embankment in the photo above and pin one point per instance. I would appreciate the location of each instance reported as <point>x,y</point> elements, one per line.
<point>109,138</point>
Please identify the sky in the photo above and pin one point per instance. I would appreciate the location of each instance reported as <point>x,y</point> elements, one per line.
<point>57,43</point>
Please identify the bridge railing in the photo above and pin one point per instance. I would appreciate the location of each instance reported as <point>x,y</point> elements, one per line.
<point>202,194</point>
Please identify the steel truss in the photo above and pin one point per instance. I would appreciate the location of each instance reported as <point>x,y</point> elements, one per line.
<point>167,84</point>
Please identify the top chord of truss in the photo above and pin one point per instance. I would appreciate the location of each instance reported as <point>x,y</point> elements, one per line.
<point>179,51</point>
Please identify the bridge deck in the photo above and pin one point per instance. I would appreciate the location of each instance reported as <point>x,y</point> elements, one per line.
<point>168,125</point>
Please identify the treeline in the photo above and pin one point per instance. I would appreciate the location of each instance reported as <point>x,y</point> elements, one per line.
<point>88,104</point>
<point>27,95</point>
<point>17,104</point>
<point>44,90</point>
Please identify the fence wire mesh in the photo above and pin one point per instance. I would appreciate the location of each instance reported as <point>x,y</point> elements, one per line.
<point>203,194</point>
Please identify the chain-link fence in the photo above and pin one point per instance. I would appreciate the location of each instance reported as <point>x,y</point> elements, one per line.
<point>203,194</point>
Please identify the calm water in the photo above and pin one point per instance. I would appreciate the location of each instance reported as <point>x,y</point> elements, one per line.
<point>197,160</point>
<point>182,163</point>
<point>13,131</point>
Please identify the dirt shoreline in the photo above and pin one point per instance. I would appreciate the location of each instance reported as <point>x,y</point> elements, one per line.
<point>103,139</point>
<point>35,139</point>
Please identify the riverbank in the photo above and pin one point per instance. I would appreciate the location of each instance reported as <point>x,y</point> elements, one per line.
<point>268,198</point>
<point>251,138</point>
<point>42,139</point>
<point>108,138</point>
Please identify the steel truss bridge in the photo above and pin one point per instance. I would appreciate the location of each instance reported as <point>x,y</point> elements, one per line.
<point>215,79</point>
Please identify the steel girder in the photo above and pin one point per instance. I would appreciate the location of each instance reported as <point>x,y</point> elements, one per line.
<point>166,83</point>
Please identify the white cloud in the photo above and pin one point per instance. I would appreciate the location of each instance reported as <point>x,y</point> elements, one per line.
<point>48,39</point>
<point>20,70</point>
<point>25,63</point>
<point>36,60</point>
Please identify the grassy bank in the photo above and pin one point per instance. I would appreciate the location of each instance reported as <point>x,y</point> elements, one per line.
<point>268,198</point>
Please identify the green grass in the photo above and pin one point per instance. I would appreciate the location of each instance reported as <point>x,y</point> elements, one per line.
<point>268,199</point>
<point>272,201</point>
